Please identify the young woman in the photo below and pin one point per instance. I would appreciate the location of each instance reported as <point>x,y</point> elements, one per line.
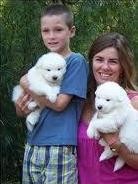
<point>110,59</point>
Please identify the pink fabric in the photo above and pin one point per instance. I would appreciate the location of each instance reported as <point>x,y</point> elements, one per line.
<point>91,171</point>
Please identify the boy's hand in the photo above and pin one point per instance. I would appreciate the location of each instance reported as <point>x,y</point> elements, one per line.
<point>22,105</point>
<point>41,100</point>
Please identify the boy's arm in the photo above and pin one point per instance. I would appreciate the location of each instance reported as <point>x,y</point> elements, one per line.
<point>61,103</point>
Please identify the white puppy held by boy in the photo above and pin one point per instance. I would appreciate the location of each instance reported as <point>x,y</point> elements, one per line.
<point>114,113</point>
<point>44,79</point>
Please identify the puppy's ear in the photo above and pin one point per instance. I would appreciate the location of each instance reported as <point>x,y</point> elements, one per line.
<point>120,98</point>
<point>96,91</point>
<point>40,61</point>
<point>38,64</point>
<point>123,96</point>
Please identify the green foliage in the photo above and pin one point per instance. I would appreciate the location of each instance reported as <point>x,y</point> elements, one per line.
<point>21,45</point>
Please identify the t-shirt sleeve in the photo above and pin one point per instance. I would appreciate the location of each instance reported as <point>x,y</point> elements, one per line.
<point>75,78</point>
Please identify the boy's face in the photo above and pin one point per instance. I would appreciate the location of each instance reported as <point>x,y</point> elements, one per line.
<point>56,34</point>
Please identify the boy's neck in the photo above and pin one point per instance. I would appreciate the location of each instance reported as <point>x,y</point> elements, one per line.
<point>66,53</point>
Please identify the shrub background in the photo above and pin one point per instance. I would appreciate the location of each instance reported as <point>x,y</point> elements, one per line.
<point>21,45</point>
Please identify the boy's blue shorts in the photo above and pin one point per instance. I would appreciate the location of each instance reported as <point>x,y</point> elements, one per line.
<point>50,165</point>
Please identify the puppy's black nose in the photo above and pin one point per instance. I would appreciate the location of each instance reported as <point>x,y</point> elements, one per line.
<point>100,107</point>
<point>54,77</point>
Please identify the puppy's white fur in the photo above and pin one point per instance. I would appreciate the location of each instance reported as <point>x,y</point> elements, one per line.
<point>114,113</point>
<point>44,79</point>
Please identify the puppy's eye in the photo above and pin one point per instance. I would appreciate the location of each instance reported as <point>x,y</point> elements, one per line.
<point>48,69</point>
<point>107,99</point>
<point>59,69</point>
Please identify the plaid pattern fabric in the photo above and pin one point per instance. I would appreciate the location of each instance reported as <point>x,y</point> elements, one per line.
<point>50,165</point>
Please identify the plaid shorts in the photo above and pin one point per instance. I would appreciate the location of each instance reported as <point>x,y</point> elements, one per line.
<point>50,165</point>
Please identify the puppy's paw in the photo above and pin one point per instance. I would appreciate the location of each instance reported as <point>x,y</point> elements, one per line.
<point>102,157</point>
<point>17,92</point>
<point>107,153</point>
<point>97,135</point>
<point>92,133</point>
<point>32,105</point>
<point>119,163</point>
<point>29,126</point>
<point>52,98</point>
<point>31,119</point>
<point>102,142</point>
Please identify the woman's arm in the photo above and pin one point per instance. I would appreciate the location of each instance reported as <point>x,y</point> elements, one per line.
<point>61,103</point>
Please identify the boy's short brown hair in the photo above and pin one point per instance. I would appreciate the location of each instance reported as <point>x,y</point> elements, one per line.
<point>59,9</point>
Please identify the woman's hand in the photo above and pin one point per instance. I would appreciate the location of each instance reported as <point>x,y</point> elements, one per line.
<point>113,141</point>
<point>110,138</point>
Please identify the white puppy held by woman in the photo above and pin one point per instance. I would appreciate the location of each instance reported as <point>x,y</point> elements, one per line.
<point>44,79</point>
<point>114,112</point>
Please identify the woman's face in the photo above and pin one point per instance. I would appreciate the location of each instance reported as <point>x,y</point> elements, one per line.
<point>106,66</point>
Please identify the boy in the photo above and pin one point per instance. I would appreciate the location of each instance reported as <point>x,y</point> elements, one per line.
<point>50,153</point>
